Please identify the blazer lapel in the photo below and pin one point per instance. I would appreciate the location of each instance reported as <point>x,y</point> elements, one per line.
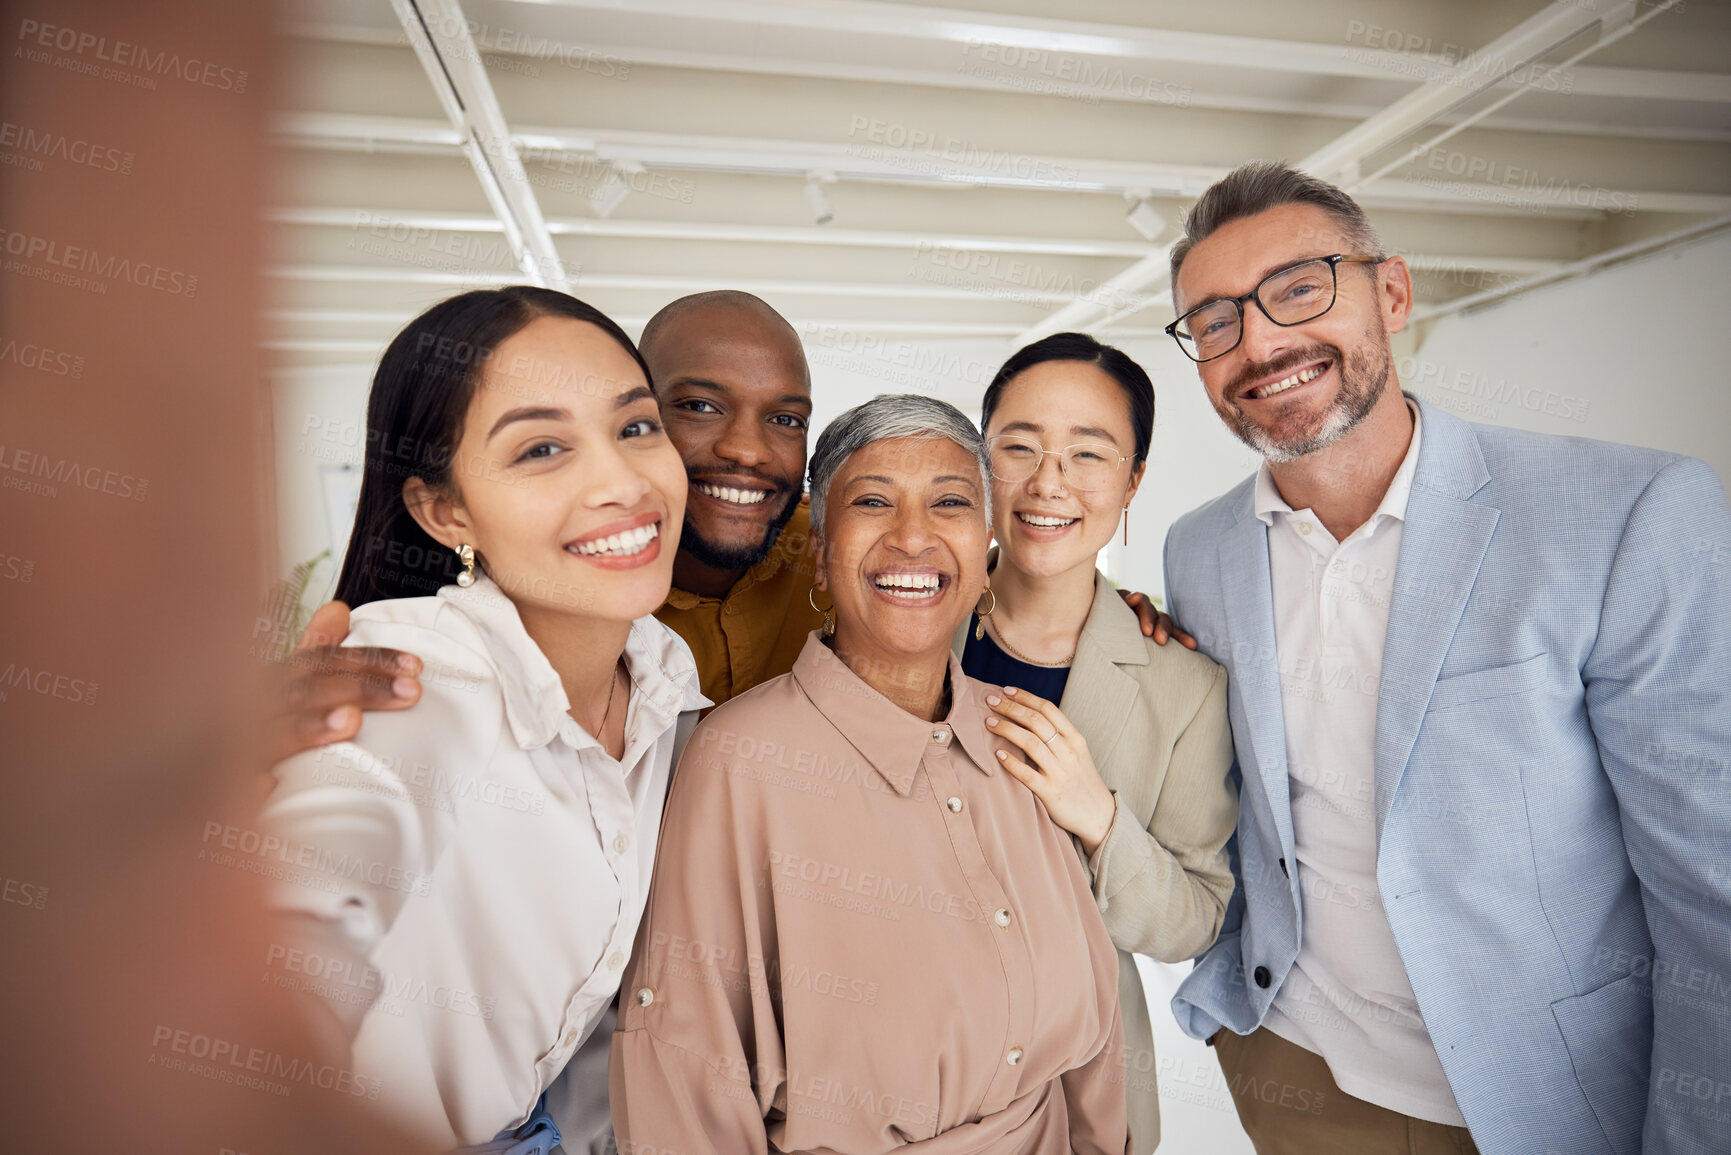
<point>1443,543</point>
<point>1249,611</point>
<point>1099,697</point>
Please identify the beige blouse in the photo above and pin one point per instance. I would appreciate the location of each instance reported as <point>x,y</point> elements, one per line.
<point>1155,721</point>
<point>863,934</point>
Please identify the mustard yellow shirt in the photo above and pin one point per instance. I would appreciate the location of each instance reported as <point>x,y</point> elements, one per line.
<point>756,632</point>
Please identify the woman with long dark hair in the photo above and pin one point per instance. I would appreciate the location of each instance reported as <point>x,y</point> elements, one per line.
<point>1125,742</point>
<point>464,879</point>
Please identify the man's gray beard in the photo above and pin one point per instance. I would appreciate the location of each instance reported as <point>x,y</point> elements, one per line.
<point>1361,385</point>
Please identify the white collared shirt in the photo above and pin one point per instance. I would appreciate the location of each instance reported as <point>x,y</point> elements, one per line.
<point>1347,997</point>
<point>485,863</point>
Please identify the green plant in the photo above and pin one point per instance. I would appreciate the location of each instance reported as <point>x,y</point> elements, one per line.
<point>288,611</point>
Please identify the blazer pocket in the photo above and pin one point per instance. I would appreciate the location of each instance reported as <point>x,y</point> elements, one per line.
<point>1609,1036</point>
<point>1491,683</point>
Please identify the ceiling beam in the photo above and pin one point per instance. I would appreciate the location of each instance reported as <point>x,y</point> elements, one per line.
<point>1649,83</point>
<point>1685,235</point>
<point>408,275</point>
<point>439,34</point>
<point>698,231</point>
<point>1135,44</point>
<point>423,225</point>
<point>811,329</point>
<point>953,164</point>
<point>1545,32</point>
<point>680,286</point>
<point>1526,43</point>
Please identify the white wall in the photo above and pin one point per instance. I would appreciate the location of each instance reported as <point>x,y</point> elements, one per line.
<point>320,426</point>
<point>1633,353</point>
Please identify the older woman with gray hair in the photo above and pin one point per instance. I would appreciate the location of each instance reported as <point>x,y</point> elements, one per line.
<point>862,934</point>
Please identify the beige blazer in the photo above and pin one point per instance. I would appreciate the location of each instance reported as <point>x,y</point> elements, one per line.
<point>1155,721</point>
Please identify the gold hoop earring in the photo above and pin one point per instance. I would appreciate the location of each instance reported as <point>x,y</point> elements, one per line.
<point>828,615</point>
<point>980,626</point>
<point>466,555</point>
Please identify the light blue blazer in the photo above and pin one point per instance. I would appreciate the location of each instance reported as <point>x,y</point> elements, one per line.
<point>1552,784</point>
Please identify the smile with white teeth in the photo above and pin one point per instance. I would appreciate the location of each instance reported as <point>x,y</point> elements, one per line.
<point>1284,384</point>
<point>632,541</point>
<point>729,493</point>
<point>1042,521</point>
<point>908,585</point>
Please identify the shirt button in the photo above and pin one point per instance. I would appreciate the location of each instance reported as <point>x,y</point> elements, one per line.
<point>1304,528</point>
<point>955,805</point>
<point>1262,977</point>
<point>1002,918</point>
<point>615,961</point>
<point>1014,1057</point>
<point>621,843</point>
<point>940,735</point>
<point>1335,568</point>
<point>570,1039</point>
<point>645,996</point>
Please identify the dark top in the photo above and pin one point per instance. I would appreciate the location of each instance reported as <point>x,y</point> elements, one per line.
<point>984,659</point>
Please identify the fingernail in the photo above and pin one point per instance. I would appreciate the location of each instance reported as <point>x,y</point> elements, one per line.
<point>991,721</point>
<point>1010,690</point>
<point>1003,757</point>
<point>403,687</point>
<point>408,663</point>
<point>992,699</point>
<point>337,719</point>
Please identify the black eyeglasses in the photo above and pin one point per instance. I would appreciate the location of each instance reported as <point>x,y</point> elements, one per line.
<point>1289,296</point>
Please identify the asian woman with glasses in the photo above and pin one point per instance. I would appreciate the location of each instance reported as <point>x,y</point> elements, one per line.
<point>1125,742</point>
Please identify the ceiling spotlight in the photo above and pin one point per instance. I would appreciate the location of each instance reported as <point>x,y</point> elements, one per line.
<point>822,212</point>
<point>608,194</point>
<point>613,187</point>
<point>1142,216</point>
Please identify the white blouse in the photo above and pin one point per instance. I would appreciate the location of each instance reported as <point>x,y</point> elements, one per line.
<point>470,873</point>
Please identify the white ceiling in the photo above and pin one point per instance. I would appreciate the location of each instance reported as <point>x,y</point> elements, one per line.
<point>979,160</point>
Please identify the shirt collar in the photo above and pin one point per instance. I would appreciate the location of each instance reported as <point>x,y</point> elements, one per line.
<point>889,738</point>
<point>1268,501</point>
<point>662,671</point>
<point>790,545</point>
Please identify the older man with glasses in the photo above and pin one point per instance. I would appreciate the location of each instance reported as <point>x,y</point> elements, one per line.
<point>1481,698</point>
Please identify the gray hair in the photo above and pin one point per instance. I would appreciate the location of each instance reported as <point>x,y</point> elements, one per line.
<point>1259,186</point>
<point>885,418</point>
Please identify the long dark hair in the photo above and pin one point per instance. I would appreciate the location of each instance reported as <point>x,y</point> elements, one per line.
<point>420,396</point>
<point>1115,363</point>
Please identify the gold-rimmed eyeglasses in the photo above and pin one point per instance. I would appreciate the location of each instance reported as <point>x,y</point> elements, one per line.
<point>1086,465</point>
